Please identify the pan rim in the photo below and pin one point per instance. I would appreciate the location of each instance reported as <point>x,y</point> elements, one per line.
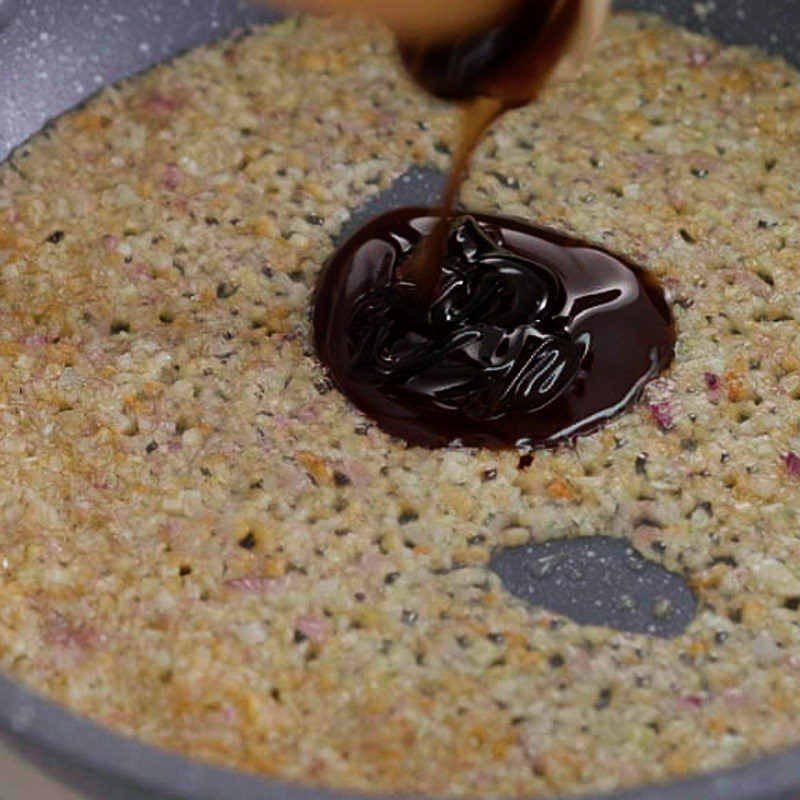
<point>52,729</point>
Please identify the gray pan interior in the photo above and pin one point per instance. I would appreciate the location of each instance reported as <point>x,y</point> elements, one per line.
<point>54,54</point>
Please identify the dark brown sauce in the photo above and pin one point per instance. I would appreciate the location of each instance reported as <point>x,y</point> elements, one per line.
<point>425,268</point>
<point>489,73</point>
<point>509,61</point>
<point>530,338</point>
<point>480,330</point>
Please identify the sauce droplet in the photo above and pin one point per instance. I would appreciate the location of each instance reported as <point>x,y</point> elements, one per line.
<point>529,337</point>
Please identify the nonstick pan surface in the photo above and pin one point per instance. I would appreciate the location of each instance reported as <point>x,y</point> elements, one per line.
<point>54,54</point>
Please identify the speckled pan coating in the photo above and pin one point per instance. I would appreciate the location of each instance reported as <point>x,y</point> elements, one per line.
<point>203,546</point>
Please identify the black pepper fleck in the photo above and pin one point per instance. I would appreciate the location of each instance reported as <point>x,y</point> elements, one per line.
<point>727,560</point>
<point>407,516</point>
<point>488,475</point>
<point>226,290</point>
<point>248,541</point>
<point>119,327</point>
<point>506,180</point>
<point>525,461</point>
<point>408,617</point>
<point>603,699</point>
<point>705,506</point>
<point>341,478</point>
<point>323,385</point>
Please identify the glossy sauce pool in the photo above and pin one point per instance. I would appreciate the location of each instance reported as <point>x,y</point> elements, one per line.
<point>531,337</point>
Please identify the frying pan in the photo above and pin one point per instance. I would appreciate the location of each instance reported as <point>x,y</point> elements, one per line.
<point>55,53</point>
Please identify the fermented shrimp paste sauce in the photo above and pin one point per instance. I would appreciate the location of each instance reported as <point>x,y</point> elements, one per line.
<point>529,338</point>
